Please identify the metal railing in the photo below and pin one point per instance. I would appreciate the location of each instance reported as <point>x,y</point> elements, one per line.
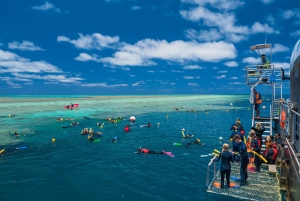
<point>208,170</point>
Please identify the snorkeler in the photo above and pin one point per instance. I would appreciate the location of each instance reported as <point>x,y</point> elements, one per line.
<point>86,117</point>
<point>126,128</point>
<point>146,151</point>
<point>197,141</point>
<point>115,139</point>
<point>90,138</point>
<point>187,135</point>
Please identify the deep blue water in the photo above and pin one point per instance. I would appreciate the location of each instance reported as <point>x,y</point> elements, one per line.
<point>74,169</point>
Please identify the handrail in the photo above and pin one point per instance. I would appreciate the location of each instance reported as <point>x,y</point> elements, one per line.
<point>208,169</point>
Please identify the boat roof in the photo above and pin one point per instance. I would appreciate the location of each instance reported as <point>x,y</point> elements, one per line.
<point>260,46</point>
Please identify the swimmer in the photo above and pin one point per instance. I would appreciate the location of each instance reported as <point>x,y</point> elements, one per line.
<point>197,141</point>
<point>90,138</point>
<point>126,128</point>
<point>146,151</point>
<point>86,117</point>
<point>149,124</point>
<point>115,139</point>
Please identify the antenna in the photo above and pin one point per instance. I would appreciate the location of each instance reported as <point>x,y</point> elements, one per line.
<point>265,37</point>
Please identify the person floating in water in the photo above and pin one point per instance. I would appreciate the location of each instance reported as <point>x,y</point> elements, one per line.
<point>149,124</point>
<point>86,117</point>
<point>15,133</point>
<point>147,151</point>
<point>197,141</point>
<point>90,138</point>
<point>115,139</point>
<point>187,135</point>
<point>126,128</point>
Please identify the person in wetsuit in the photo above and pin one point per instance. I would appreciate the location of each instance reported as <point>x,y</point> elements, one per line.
<point>225,168</point>
<point>146,151</point>
<point>197,141</point>
<point>243,157</point>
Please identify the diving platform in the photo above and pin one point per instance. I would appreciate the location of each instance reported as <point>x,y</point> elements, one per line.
<point>261,186</point>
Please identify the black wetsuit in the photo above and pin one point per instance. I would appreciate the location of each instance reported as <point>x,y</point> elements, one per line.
<point>225,167</point>
<point>194,142</point>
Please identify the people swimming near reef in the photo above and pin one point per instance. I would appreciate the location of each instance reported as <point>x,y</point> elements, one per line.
<point>197,141</point>
<point>90,138</point>
<point>112,120</point>
<point>147,151</point>
<point>188,135</point>
<point>127,128</point>
<point>14,133</point>
<point>74,123</point>
<point>115,139</point>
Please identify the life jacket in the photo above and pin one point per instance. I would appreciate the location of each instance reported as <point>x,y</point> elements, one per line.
<point>258,99</point>
<point>145,150</point>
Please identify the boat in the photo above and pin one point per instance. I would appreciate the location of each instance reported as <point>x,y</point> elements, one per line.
<point>72,106</point>
<point>280,117</point>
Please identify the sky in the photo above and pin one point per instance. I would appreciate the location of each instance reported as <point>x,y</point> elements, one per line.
<point>140,47</point>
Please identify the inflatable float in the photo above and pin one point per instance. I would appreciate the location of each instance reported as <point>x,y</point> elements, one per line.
<point>1,151</point>
<point>260,156</point>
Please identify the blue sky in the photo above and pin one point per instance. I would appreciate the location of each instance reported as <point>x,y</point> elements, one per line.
<point>107,47</point>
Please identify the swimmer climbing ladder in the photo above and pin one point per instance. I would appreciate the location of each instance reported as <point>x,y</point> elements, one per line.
<point>261,186</point>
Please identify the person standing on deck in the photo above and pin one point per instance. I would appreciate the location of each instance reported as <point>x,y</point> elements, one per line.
<point>243,158</point>
<point>259,130</point>
<point>257,102</point>
<point>225,168</point>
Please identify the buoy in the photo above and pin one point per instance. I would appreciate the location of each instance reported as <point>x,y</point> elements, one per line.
<point>183,129</point>
<point>132,118</point>
<point>220,138</point>
<point>53,140</point>
<point>263,107</point>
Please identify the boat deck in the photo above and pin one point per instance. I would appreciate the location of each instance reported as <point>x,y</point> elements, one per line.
<point>262,186</point>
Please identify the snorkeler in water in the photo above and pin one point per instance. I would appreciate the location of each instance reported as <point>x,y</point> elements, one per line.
<point>115,139</point>
<point>197,141</point>
<point>146,151</point>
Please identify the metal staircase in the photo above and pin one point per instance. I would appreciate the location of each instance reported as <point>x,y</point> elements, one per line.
<point>262,75</point>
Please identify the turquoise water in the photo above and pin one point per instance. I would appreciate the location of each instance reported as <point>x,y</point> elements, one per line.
<point>74,169</point>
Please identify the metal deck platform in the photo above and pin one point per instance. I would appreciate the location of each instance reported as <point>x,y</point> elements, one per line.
<point>261,186</point>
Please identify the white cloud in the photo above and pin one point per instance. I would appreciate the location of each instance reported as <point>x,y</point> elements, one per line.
<point>135,8</point>
<point>193,84</point>
<point>223,71</point>
<point>220,22</point>
<point>12,63</point>
<point>86,57</point>
<point>25,45</point>
<point>94,41</point>
<point>279,48</point>
<point>139,83</point>
<point>191,77</point>
<point>192,67</point>
<point>231,64</point>
<point>251,60</point>
<point>102,85</point>
<point>267,1</point>
<point>47,6</point>
<point>295,34</point>
<point>142,53</point>
<point>233,78</point>
<point>203,35</point>
<point>177,71</point>
<point>219,77</point>
<point>262,28</point>
<point>223,5</point>
<point>236,83</point>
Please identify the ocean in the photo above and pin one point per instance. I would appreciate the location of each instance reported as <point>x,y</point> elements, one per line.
<point>72,168</point>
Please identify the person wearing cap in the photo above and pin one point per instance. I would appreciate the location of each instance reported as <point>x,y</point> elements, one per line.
<point>257,102</point>
<point>265,61</point>
<point>240,126</point>
<point>259,130</point>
